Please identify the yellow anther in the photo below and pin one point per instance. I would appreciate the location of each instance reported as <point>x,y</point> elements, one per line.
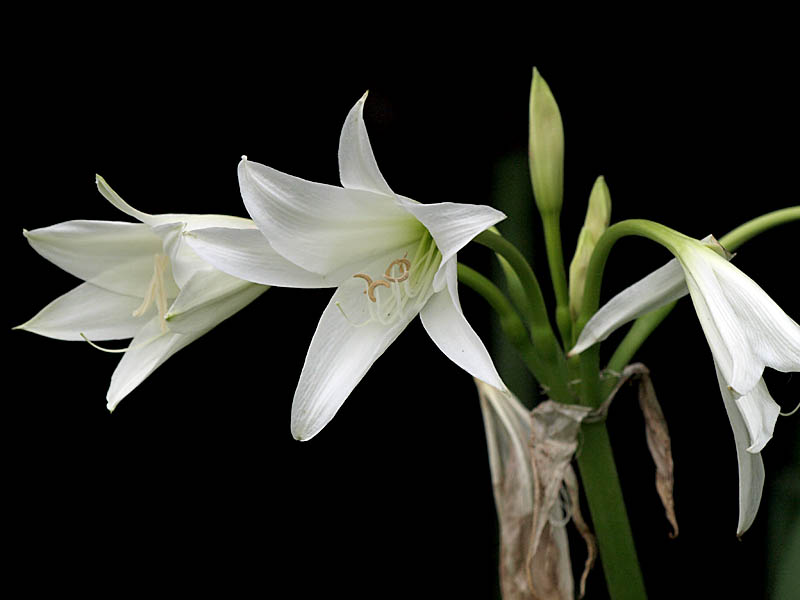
<point>373,285</point>
<point>405,263</point>
<point>366,278</point>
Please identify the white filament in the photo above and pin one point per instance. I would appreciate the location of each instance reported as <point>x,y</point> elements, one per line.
<point>156,291</point>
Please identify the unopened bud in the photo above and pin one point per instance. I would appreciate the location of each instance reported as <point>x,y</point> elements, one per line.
<point>598,215</point>
<point>545,147</point>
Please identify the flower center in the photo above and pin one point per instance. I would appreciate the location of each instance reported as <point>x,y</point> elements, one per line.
<point>156,291</point>
<point>404,286</point>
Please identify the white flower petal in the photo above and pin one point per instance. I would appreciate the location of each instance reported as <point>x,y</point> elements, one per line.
<point>183,260</point>
<point>93,311</point>
<point>245,253</point>
<point>149,349</point>
<point>358,169</point>
<point>773,337</point>
<point>760,413</point>
<point>751,466</point>
<point>662,286</point>
<point>117,201</point>
<point>192,221</point>
<point>338,358</point>
<point>452,226</point>
<point>112,255</point>
<point>209,298</point>
<point>745,329</point>
<point>445,323</point>
<point>319,227</point>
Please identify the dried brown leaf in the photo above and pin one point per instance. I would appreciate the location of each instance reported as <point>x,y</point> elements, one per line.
<point>660,445</point>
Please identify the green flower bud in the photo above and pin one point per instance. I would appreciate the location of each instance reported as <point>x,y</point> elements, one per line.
<point>598,216</point>
<point>545,147</point>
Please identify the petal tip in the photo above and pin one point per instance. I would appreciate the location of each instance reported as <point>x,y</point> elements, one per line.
<point>757,446</point>
<point>301,435</point>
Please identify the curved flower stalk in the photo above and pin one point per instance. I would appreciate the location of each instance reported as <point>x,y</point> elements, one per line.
<point>390,258</point>
<point>746,332</point>
<point>141,281</point>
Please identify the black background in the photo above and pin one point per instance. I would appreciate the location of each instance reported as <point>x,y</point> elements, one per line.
<point>195,484</point>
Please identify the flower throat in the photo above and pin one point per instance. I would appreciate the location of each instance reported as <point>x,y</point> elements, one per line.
<point>404,287</point>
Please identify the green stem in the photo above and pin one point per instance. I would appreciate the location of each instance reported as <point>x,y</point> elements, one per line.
<point>609,517</point>
<point>541,330</point>
<point>555,258</point>
<point>751,229</point>
<point>590,360</point>
<point>512,326</point>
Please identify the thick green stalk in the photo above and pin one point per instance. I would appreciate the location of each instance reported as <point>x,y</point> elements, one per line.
<point>609,517</point>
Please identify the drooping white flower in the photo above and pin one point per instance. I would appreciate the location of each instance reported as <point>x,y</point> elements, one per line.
<point>389,257</point>
<point>141,281</point>
<point>746,332</point>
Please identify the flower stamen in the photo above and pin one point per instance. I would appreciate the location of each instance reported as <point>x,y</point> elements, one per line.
<point>406,264</point>
<point>373,285</point>
<point>156,291</point>
<point>403,283</point>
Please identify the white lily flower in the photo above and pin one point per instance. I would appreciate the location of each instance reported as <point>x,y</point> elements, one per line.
<point>141,281</point>
<point>745,329</point>
<point>389,257</point>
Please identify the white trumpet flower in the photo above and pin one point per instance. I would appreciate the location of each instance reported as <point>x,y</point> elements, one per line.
<point>389,257</point>
<point>746,332</point>
<point>141,281</point>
